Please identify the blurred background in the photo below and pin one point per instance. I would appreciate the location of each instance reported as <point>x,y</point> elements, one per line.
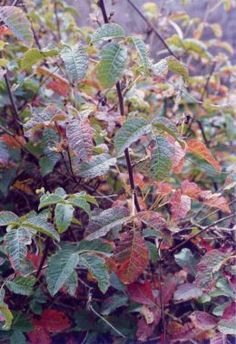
<point>221,12</point>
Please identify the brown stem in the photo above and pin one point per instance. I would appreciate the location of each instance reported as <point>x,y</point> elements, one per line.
<point>152,27</point>
<point>57,21</point>
<point>122,112</point>
<point>16,118</point>
<point>44,257</point>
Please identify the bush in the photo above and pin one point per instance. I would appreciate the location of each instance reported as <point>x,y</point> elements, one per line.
<point>117,178</point>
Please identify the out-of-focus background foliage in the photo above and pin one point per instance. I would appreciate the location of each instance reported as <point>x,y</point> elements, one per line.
<point>212,11</point>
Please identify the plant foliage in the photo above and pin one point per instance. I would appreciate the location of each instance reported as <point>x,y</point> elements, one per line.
<point>117,176</point>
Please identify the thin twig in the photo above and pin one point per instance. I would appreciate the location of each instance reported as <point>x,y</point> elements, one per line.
<point>152,27</point>
<point>122,113</point>
<point>203,230</point>
<point>57,21</point>
<point>106,321</point>
<point>161,295</point>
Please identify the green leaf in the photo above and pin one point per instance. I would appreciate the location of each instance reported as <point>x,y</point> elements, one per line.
<point>49,199</point>
<point>71,284</point>
<point>186,260</point>
<point>190,45</point>
<point>33,56</point>
<point>7,217</point>
<point>143,53</point>
<point>18,337</point>
<point>228,326</point>
<point>7,314</point>
<point>15,18</point>
<point>81,200</point>
<point>63,216</point>
<point>105,229</point>
<point>108,31</point>
<point>113,303</point>
<point>97,166</point>
<point>95,246</point>
<point>160,68</point>
<point>16,241</point>
<point>164,124</point>
<point>108,219</point>
<point>48,141</point>
<point>130,132</point>
<point>161,162</point>
<point>177,67</point>
<point>40,224</point>
<point>21,285</point>
<point>111,65</point>
<point>60,267</point>
<point>75,59</point>
<point>97,267</point>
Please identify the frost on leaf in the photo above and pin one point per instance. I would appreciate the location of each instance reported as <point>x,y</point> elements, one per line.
<point>16,20</point>
<point>80,137</point>
<point>209,264</point>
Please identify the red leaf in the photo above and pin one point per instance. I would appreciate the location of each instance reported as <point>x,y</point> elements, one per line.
<point>230,311</point>
<point>13,141</point>
<point>198,148</point>
<point>52,321</point>
<point>180,205</point>
<point>190,189</point>
<point>34,258</point>
<point>141,293</point>
<point>203,320</point>
<point>144,330</point>
<point>178,156</point>
<point>216,201</point>
<point>39,336</point>
<point>131,256</point>
<point>59,87</point>
<point>168,288</point>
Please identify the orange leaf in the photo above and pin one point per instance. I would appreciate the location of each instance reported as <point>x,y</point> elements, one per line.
<point>216,201</point>
<point>198,148</point>
<point>4,30</point>
<point>23,186</point>
<point>192,190</point>
<point>131,256</point>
